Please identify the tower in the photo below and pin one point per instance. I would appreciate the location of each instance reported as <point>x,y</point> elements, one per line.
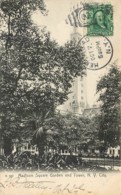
<point>77,99</point>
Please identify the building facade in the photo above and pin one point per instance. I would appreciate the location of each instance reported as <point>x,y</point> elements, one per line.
<point>77,100</point>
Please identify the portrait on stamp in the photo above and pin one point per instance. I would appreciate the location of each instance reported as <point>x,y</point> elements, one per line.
<point>102,23</point>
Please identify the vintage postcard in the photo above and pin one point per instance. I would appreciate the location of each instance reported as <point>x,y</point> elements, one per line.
<point>60,97</point>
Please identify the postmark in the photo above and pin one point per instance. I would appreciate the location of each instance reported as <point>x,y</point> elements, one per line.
<point>98,51</point>
<point>81,16</point>
<point>85,17</point>
<point>78,16</point>
<point>97,18</point>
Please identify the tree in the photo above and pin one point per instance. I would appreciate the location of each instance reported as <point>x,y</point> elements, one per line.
<point>36,73</point>
<point>77,132</point>
<point>16,26</point>
<point>49,133</point>
<point>60,132</point>
<point>109,88</point>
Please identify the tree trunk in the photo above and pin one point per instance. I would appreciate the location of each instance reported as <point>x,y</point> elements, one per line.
<point>7,145</point>
<point>41,148</point>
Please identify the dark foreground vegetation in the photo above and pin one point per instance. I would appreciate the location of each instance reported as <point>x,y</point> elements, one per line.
<point>53,162</point>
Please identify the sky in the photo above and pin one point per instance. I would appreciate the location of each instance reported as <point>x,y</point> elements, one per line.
<point>58,11</point>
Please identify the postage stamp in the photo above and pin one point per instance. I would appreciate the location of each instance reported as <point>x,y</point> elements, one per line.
<point>102,20</point>
<point>98,51</point>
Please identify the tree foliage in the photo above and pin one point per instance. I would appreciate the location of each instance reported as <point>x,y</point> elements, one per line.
<point>109,88</point>
<point>36,73</point>
<point>69,132</point>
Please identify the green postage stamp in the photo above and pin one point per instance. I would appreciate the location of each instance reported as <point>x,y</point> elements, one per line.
<point>101,19</point>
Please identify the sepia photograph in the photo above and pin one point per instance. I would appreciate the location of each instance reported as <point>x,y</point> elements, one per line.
<point>60,97</point>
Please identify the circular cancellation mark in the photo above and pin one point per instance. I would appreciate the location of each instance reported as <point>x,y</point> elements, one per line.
<point>98,51</point>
